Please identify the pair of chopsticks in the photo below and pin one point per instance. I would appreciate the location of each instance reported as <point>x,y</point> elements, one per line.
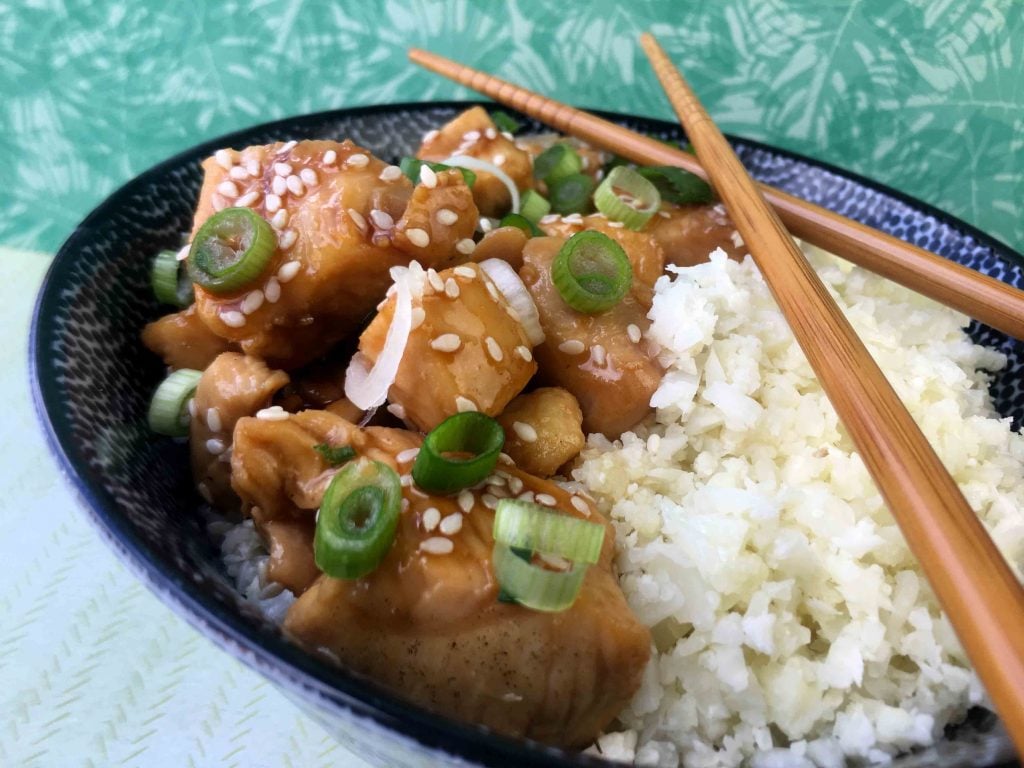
<point>976,587</point>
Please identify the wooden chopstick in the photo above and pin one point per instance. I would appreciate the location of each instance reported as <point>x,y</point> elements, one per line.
<point>976,295</point>
<point>976,587</point>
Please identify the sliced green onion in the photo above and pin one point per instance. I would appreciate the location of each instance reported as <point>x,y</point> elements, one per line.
<point>468,432</point>
<point>533,527</point>
<point>572,194</point>
<point>518,220</point>
<point>357,520</point>
<point>231,250</point>
<point>533,206</point>
<point>505,122</point>
<point>170,286</point>
<point>411,168</point>
<point>168,410</point>
<point>591,272</point>
<point>642,201</point>
<point>533,586</point>
<point>556,162</point>
<point>335,455</point>
<point>676,185</point>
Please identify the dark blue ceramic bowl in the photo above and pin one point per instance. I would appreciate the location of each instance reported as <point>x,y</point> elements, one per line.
<point>92,380</point>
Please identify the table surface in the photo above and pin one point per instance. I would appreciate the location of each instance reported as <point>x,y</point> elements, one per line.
<point>925,96</point>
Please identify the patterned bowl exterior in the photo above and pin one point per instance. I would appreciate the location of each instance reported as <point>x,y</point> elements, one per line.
<point>92,379</point>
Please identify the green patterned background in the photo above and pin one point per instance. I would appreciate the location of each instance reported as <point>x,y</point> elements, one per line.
<point>925,96</point>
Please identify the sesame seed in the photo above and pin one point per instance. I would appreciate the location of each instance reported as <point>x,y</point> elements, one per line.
<point>498,159</point>
<point>492,290</point>
<point>418,493</point>
<point>279,186</point>
<point>437,545</point>
<point>428,178</point>
<point>431,517</point>
<point>446,342</point>
<point>273,413</point>
<point>494,349</point>
<point>228,189</point>
<point>273,203</point>
<point>526,496</point>
<point>406,480</point>
<point>215,446</point>
<point>452,524</point>
<point>451,288</point>
<point>598,353</point>
<point>435,280</point>
<point>287,147</point>
<point>580,504</point>
<point>253,167</point>
<point>572,347</point>
<point>525,431</point>
<point>287,239</point>
<point>584,163</point>
<point>430,135</point>
<point>616,224</point>
<point>183,252</point>
<point>232,319</point>
<point>192,410</point>
<point>381,219</point>
<point>213,419</point>
<point>466,501</point>
<point>573,218</point>
<point>391,173</point>
<point>471,136</point>
<point>253,300</point>
<point>397,410</point>
<point>224,159</point>
<point>247,199</point>
<point>358,218</point>
<point>464,404</point>
<point>295,185</point>
<point>496,480</point>
<point>465,246</point>
<point>418,316</point>
<point>418,237</point>
<point>358,160</point>
<point>272,290</point>
<point>633,331</point>
<point>551,218</point>
<point>330,156</point>
<point>515,485</point>
<point>546,499</point>
<point>504,458</point>
<point>309,177</point>
<point>524,352</point>
<point>283,169</point>
<point>497,491</point>
<point>405,506</point>
<point>489,501</point>
<point>485,224</point>
<point>407,455</point>
<point>238,173</point>
<point>464,271</point>
<point>508,135</point>
<point>665,214</point>
<point>288,271</point>
<point>490,133</point>
<point>447,216</point>
<point>205,493</point>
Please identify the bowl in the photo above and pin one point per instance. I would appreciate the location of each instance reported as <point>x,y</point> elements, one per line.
<point>92,379</point>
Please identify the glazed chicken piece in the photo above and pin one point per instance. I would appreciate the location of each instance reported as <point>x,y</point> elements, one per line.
<point>427,622</point>
<point>592,159</point>
<point>466,350</point>
<point>688,233</point>
<point>182,340</point>
<point>437,227</point>
<point>473,133</point>
<point>643,249</point>
<point>327,202</point>
<point>233,386</point>
<point>601,359</point>
<point>543,430</point>
<point>505,243</point>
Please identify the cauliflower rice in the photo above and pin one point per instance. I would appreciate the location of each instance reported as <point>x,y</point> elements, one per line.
<point>792,626</point>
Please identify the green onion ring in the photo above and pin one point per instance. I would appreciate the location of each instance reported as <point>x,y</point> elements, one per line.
<point>533,586</point>
<point>524,525</point>
<point>533,206</point>
<point>556,162</point>
<point>357,520</point>
<point>591,272</point>
<point>231,250</point>
<point>646,200</point>
<point>467,432</point>
<point>170,286</point>
<point>168,410</point>
<point>520,221</point>
<point>571,194</point>
<point>678,186</point>
<point>504,122</point>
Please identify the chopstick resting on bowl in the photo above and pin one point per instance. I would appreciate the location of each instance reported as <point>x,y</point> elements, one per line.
<point>973,582</point>
<point>976,295</point>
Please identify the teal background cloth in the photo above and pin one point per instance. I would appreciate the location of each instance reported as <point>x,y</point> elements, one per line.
<point>926,96</point>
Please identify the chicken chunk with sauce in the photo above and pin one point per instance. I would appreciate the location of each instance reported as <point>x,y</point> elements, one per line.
<point>601,359</point>
<point>466,350</point>
<point>182,340</point>
<point>473,133</point>
<point>687,234</point>
<point>437,226</point>
<point>543,430</point>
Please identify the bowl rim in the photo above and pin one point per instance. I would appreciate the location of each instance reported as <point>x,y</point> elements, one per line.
<point>273,656</point>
